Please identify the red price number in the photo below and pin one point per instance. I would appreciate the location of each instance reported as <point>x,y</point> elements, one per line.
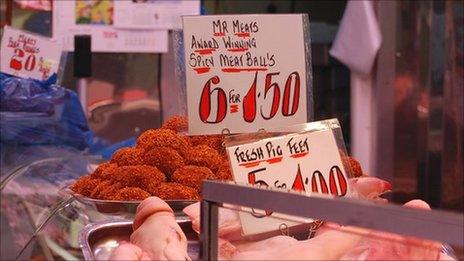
<point>16,62</point>
<point>288,104</point>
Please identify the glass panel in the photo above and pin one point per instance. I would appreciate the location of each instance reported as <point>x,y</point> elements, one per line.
<point>292,239</point>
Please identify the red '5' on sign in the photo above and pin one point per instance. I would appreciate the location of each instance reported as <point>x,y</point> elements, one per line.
<point>288,101</point>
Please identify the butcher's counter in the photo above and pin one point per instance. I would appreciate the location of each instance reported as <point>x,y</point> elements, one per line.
<point>40,221</point>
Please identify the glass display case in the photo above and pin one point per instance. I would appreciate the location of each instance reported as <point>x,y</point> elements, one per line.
<point>39,221</point>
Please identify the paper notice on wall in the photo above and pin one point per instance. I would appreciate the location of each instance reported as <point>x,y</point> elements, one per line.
<point>305,162</point>
<point>29,55</point>
<point>246,72</point>
<point>153,14</point>
<point>96,18</point>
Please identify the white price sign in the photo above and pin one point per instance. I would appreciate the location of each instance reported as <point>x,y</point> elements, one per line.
<point>28,55</point>
<point>305,162</point>
<point>153,14</point>
<point>245,72</point>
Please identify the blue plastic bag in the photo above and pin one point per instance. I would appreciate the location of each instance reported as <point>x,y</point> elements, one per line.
<point>37,113</point>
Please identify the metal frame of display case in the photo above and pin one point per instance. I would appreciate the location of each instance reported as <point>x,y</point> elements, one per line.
<point>446,227</point>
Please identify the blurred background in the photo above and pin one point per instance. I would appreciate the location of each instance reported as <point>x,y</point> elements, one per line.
<point>415,136</point>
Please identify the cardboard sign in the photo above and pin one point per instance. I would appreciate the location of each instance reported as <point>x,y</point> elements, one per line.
<point>75,17</point>
<point>28,55</point>
<point>245,72</point>
<point>305,162</point>
<point>153,14</point>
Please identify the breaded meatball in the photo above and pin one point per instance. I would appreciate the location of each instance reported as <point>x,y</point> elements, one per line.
<point>110,191</point>
<point>128,157</point>
<point>224,171</point>
<point>96,192</point>
<point>142,176</point>
<point>212,141</point>
<point>192,176</point>
<point>131,194</point>
<point>165,159</point>
<point>176,123</point>
<point>104,170</point>
<point>204,156</point>
<point>163,138</point>
<point>176,191</point>
<point>85,185</point>
<point>353,165</point>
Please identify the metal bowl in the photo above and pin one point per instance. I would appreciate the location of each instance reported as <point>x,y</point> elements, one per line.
<point>98,240</point>
<point>123,208</point>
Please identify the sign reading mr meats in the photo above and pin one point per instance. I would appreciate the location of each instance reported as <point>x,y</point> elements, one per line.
<point>245,72</point>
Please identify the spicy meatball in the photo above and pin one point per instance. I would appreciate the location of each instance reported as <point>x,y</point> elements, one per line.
<point>165,159</point>
<point>176,123</point>
<point>192,176</point>
<point>163,138</point>
<point>110,191</point>
<point>212,141</point>
<point>131,194</point>
<point>142,176</point>
<point>96,192</point>
<point>104,170</point>
<point>224,172</point>
<point>204,156</point>
<point>85,185</point>
<point>353,165</point>
<point>176,191</point>
<point>128,157</point>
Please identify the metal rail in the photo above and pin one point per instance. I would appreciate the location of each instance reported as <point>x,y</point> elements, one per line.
<point>445,227</point>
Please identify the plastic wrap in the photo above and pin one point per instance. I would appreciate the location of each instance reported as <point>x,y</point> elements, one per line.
<point>40,119</point>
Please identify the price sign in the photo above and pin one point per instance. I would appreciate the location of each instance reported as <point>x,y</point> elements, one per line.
<point>28,55</point>
<point>304,162</point>
<point>245,72</point>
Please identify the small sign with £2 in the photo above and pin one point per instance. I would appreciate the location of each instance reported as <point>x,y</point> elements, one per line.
<point>28,55</point>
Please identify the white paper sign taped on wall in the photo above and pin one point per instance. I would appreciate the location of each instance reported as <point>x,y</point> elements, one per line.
<point>246,72</point>
<point>96,18</point>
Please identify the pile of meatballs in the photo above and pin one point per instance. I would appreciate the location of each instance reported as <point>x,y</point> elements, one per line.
<point>164,163</point>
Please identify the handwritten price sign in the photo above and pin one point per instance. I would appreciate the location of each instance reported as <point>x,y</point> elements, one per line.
<point>245,72</point>
<point>28,55</point>
<point>305,162</point>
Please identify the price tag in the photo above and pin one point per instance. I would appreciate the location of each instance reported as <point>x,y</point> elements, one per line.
<point>306,162</point>
<point>28,55</point>
<point>246,72</point>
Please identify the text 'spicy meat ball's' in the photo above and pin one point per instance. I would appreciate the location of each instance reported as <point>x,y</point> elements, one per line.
<point>143,176</point>
<point>192,176</point>
<point>163,138</point>
<point>176,123</point>
<point>128,157</point>
<point>131,193</point>
<point>175,191</point>
<point>167,160</point>
<point>85,185</point>
<point>204,156</point>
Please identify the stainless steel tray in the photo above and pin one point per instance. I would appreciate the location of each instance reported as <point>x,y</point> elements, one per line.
<point>123,208</point>
<point>98,240</point>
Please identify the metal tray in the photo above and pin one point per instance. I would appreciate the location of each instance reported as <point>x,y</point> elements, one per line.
<point>123,208</point>
<point>98,240</point>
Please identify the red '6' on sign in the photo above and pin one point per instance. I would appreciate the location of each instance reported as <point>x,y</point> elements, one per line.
<point>16,62</point>
<point>288,104</point>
